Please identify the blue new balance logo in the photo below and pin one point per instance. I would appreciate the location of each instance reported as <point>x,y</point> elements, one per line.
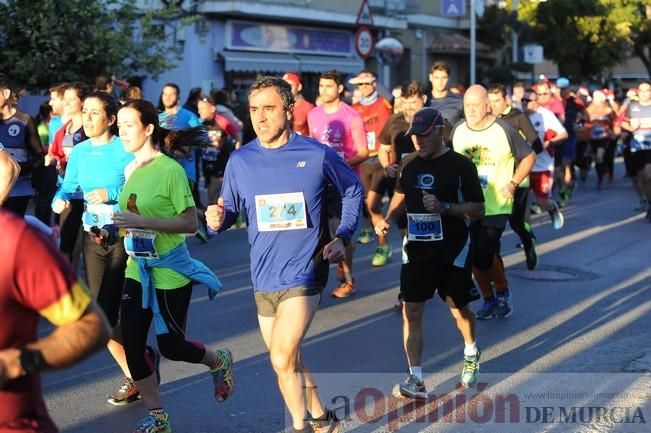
<point>300,164</point>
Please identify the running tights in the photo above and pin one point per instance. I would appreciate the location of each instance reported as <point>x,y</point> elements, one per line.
<point>517,218</point>
<point>135,323</point>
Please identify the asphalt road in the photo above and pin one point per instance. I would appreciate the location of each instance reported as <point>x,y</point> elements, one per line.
<point>585,310</point>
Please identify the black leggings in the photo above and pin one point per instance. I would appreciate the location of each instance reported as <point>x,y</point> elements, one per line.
<point>70,222</point>
<point>135,322</point>
<point>485,244</point>
<point>602,166</point>
<point>105,275</point>
<point>516,220</point>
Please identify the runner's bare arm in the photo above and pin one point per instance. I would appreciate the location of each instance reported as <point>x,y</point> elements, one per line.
<point>9,171</point>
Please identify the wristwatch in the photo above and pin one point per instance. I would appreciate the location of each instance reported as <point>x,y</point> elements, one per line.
<point>31,361</point>
<point>447,207</point>
<point>514,183</point>
<point>344,240</point>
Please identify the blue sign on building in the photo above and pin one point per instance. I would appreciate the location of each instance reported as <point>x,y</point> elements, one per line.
<point>453,8</point>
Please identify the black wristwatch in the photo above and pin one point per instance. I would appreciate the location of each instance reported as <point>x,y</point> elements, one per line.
<point>344,240</point>
<point>447,207</point>
<point>31,361</point>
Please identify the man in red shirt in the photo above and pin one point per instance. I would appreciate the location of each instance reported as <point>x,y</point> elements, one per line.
<point>301,106</point>
<point>375,111</point>
<point>36,281</point>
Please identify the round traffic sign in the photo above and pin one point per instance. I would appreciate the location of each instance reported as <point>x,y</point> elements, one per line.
<point>364,42</point>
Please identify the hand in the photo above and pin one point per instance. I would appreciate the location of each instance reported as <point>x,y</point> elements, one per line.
<point>97,196</point>
<point>391,170</point>
<point>215,215</point>
<point>382,228</point>
<point>60,205</point>
<point>508,190</point>
<point>334,251</point>
<point>432,203</point>
<point>127,220</point>
<point>48,160</point>
<point>10,367</point>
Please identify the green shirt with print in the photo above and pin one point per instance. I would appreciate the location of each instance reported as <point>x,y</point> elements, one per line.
<point>159,189</point>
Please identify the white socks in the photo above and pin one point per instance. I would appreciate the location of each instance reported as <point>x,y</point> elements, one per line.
<point>417,371</point>
<point>470,349</point>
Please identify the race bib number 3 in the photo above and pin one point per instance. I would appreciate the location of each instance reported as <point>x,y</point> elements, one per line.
<point>424,227</point>
<point>98,215</point>
<point>280,212</point>
<point>140,243</point>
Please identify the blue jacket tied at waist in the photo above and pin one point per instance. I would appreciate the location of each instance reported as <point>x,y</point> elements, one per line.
<point>178,260</point>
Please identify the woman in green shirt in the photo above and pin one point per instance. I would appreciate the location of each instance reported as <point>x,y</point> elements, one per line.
<point>159,212</point>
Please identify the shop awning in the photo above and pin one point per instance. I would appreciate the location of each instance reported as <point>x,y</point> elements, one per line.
<point>258,62</point>
<point>250,61</point>
<point>324,63</point>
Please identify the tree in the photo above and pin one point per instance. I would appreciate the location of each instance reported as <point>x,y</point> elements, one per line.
<point>586,38</point>
<point>577,35</point>
<point>53,41</point>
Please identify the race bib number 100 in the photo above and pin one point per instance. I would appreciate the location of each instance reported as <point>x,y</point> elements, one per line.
<point>280,211</point>
<point>424,227</point>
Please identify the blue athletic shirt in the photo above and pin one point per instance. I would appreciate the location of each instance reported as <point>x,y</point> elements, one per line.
<point>183,119</point>
<point>283,259</point>
<point>92,167</point>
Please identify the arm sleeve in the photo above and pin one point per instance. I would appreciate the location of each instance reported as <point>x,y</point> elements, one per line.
<point>46,283</point>
<point>178,189</point>
<point>337,172</point>
<point>231,197</point>
<point>71,179</point>
<point>358,133</point>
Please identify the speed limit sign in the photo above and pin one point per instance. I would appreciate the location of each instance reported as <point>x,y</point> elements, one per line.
<point>364,42</point>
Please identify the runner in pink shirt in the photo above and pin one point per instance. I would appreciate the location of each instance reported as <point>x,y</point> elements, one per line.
<point>337,125</point>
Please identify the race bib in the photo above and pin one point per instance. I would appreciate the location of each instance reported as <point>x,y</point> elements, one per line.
<point>641,141</point>
<point>210,154</point>
<point>424,227</point>
<point>370,140</point>
<point>97,215</point>
<point>140,243</point>
<point>598,132</point>
<point>280,212</point>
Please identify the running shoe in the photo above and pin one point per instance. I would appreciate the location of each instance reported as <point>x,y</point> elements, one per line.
<point>413,388</point>
<point>154,423</point>
<point>344,290</point>
<point>488,310</point>
<point>128,393</point>
<point>382,255</point>
<point>329,423</point>
<point>365,236</point>
<point>470,373</point>
<point>531,256</point>
<point>504,305</point>
<point>222,376</point>
<point>557,217</point>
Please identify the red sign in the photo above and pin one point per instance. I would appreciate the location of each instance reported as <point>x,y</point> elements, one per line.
<point>364,42</point>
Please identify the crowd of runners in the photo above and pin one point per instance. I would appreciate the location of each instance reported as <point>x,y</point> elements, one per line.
<point>117,184</point>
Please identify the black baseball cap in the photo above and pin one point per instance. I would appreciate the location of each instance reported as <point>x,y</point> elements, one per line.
<point>424,121</point>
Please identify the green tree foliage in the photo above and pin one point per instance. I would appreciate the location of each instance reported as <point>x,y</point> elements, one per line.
<point>586,38</point>
<point>52,41</point>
